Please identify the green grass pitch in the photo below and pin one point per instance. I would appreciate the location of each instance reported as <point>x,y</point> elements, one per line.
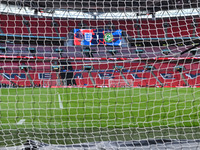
<point>87,111</point>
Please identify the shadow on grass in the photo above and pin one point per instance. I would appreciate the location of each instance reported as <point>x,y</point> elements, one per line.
<point>16,137</point>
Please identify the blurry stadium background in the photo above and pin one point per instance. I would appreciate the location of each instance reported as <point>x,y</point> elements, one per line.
<point>96,73</point>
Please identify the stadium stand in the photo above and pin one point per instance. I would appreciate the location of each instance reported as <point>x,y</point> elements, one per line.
<point>48,51</point>
<point>45,27</point>
<point>42,75</point>
<point>176,27</point>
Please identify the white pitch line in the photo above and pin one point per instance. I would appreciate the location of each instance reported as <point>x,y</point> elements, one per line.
<point>21,121</point>
<point>60,102</point>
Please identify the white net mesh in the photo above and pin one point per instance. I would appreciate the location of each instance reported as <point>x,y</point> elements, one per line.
<point>120,75</point>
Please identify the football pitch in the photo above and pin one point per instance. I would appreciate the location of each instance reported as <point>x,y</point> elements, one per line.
<point>74,115</point>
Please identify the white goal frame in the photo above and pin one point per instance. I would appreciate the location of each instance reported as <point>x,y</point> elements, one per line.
<point>120,83</point>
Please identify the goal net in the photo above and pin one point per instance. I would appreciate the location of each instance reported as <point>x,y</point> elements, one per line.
<point>99,74</point>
